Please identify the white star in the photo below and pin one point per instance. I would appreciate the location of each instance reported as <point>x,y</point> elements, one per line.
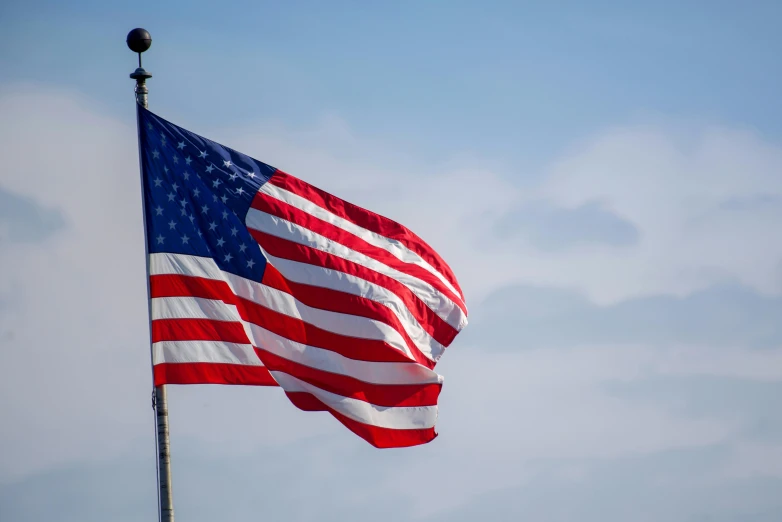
<point>220,242</point>
<point>184,211</point>
<point>171,225</point>
<point>171,197</point>
<point>227,163</point>
<point>216,183</point>
<point>202,154</point>
<point>210,168</point>
<point>251,174</point>
<point>225,214</point>
<point>186,175</point>
<point>157,181</point>
<point>155,154</point>
<point>204,209</point>
<point>228,258</point>
<point>196,192</point>
<point>183,202</point>
<point>188,161</point>
<point>180,145</point>
<point>212,226</point>
<point>250,263</point>
<point>242,247</point>
<point>233,176</point>
<point>165,169</point>
<point>176,159</point>
<point>191,217</point>
<point>240,191</point>
<point>160,239</point>
<point>159,211</point>
<point>200,234</point>
<point>149,126</point>
<point>185,239</point>
<point>234,231</point>
<point>175,186</point>
<point>224,199</point>
<point>214,197</point>
<point>163,140</point>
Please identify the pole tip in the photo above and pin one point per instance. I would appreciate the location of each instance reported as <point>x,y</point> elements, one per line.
<point>139,40</point>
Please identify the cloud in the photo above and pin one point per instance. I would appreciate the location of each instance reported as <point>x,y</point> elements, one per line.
<point>550,228</point>
<point>520,317</point>
<point>661,469</point>
<point>675,485</point>
<point>21,219</point>
<point>687,294</point>
<point>120,488</point>
<point>763,202</point>
<point>673,186</point>
<point>704,395</point>
<point>71,294</point>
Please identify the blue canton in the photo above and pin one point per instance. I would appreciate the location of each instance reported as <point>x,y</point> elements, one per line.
<point>197,194</point>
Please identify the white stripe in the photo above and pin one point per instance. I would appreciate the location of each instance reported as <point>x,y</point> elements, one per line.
<point>181,264</point>
<point>392,246</point>
<point>193,308</point>
<point>400,417</point>
<point>355,326</point>
<point>438,302</point>
<point>314,357</point>
<point>204,352</point>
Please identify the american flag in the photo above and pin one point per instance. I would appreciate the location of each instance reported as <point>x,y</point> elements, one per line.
<point>259,278</point>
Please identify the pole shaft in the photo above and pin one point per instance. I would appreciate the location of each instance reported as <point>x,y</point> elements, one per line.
<point>160,403</point>
<point>164,456</point>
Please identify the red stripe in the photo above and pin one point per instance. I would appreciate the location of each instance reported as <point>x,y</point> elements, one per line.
<point>281,209</point>
<point>198,330</point>
<point>276,322</point>
<point>365,219</point>
<point>388,395</point>
<point>378,437</point>
<point>430,321</point>
<point>173,285</point>
<point>212,373</point>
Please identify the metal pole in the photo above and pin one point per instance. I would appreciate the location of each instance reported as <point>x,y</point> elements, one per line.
<point>164,457</point>
<point>139,41</point>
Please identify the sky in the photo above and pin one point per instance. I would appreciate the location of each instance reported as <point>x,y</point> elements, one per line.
<point>605,179</point>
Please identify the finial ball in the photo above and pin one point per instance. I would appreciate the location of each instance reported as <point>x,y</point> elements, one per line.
<point>139,40</point>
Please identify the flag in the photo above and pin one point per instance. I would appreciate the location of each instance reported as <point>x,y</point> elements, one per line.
<point>258,278</point>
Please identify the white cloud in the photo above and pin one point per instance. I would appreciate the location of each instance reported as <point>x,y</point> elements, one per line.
<point>673,187</point>
<point>76,357</point>
<point>752,459</point>
<point>75,377</point>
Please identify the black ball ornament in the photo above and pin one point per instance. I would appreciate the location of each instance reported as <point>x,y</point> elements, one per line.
<point>139,40</point>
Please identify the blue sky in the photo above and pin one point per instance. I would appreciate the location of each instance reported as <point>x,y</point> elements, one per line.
<point>605,180</point>
<point>511,81</point>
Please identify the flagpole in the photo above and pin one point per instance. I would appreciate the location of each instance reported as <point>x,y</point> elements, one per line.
<point>139,40</point>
